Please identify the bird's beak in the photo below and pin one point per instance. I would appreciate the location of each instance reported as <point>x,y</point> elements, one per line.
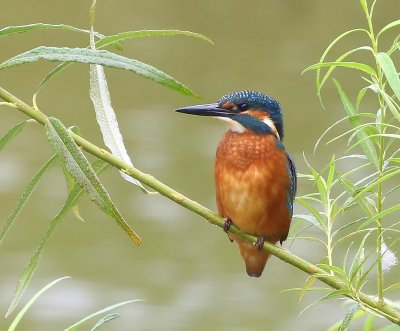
<point>211,109</point>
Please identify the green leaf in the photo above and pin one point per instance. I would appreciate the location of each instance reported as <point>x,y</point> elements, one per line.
<point>309,282</point>
<point>356,268</point>
<point>331,173</point>
<point>322,188</point>
<point>390,72</point>
<point>310,219</point>
<point>30,269</point>
<point>101,57</point>
<point>111,40</point>
<point>70,181</point>
<point>106,117</point>
<point>76,325</point>
<point>26,195</point>
<point>364,6</point>
<point>366,144</point>
<point>21,314</point>
<point>104,320</point>
<point>80,168</point>
<point>314,212</point>
<point>10,30</point>
<point>12,133</point>
<point>351,65</point>
<point>318,81</point>
<point>339,60</point>
<point>387,27</point>
<point>369,323</point>
<point>344,326</point>
<point>357,315</point>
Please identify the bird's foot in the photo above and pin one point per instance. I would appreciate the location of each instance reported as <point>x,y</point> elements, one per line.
<point>227,225</point>
<point>260,242</point>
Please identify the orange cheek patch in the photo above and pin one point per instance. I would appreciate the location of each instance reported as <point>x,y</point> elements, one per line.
<point>259,114</point>
<point>228,105</point>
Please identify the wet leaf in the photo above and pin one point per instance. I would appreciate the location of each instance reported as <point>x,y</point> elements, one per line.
<point>101,57</point>
<point>80,168</point>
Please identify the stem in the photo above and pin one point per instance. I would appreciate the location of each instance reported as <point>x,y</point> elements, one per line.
<point>284,255</point>
<point>381,146</point>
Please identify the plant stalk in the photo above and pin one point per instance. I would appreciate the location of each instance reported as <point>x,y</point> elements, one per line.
<point>367,301</point>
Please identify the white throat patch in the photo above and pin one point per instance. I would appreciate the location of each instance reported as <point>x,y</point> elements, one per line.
<point>271,124</point>
<point>239,128</point>
<point>233,125</point>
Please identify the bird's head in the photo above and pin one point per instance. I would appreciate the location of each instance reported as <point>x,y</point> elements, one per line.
<point>244,111</point>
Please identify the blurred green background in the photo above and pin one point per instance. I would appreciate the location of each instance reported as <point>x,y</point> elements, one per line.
<point>188,273</point>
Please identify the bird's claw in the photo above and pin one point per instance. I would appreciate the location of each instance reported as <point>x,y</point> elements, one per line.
<point>227,225</point>
<point>260,243</point>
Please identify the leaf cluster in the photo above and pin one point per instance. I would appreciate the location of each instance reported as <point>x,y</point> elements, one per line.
<point>355,205</point>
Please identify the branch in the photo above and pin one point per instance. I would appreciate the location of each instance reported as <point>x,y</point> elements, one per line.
<point>284,255</point>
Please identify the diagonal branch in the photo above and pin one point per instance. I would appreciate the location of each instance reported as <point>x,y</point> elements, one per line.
<point>336,283</point>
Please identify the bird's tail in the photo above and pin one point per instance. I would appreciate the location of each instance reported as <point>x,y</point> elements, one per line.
<point>254,259</point>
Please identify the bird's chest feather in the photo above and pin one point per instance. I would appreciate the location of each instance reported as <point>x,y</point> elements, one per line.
<point>252,183</point>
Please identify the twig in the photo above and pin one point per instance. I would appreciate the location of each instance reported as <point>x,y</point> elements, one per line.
<point>284,255</point>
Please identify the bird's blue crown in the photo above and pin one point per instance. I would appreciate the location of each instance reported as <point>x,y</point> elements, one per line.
<point>256,100</point>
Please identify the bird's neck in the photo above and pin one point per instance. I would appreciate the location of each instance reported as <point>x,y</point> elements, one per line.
<point>242,123</point>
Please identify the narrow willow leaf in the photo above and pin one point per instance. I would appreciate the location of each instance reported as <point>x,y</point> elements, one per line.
<point>391,104</point>
<point>366,144</point>
<point>351,65</point>
<point>390,72</point>
<point>104,320</point>
<point>314,212</point>
<point>387,27</point>
<point>381,215</point>
<point>392,287</point>
<point>337,270</point>
<point>10,30</point>
<point>355,271</point>
<point>339,60</point>
<point>369,323</point>
<point>76,325</point>
<point>83,173</point>
<point>331,173</point>
<point>25,196</point>
<point>70,181</point>
<point>106,117</point>
<point>364,6</point>
<point>21,314</point>
<point>30,269</point>
<point>12,133</point>
<point>357,315</point>
<point>344,326</point>
<point>325,54</point>
<point>101,57</point>
<point>322,189</point>
<point>111,40</point>
<point>54,72</point>
<point>309,282</point>
<point>325,133</point>
<point>360,198</point>
<point>310,219</point>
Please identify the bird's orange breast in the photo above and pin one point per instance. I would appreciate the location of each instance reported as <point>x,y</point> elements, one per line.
<point>252,185</point>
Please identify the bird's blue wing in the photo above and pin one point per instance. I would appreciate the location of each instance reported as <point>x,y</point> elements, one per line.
<point>293,183</point>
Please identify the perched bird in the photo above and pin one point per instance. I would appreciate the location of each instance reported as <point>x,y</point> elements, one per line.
<point>255,178</point>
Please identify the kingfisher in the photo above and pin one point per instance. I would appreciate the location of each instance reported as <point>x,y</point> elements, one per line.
<point>255,178</point>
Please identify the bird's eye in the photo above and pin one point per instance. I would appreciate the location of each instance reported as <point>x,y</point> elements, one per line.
<point>240,107</point>
<point>243,106</point>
